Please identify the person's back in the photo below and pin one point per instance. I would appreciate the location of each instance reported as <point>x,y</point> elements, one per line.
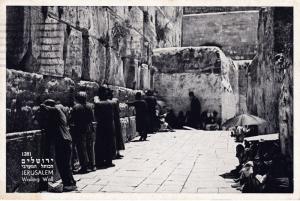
<point>151,103</point>
<point>142,120</point>
<point>57,123</point>
<point>171,119</point>
<point>195,110</point>
<point>82,115</point>
<point>57,129</point>
<point>105,145</point>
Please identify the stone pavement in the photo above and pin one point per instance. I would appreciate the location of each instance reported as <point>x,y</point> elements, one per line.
<point>185,161</point>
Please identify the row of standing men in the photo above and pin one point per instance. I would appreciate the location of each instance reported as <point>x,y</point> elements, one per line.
<point>75,133</point>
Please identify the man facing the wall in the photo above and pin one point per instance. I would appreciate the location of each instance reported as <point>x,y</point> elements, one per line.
<point>195,110</point>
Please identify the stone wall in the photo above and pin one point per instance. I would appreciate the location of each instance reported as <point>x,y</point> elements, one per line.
<point>90,43</point>
<point>58,50</point>
<point>25,91</point>
<point>263,86</point>
<point>234,32</point>
<point>270,75</point>
<point>205,70</point>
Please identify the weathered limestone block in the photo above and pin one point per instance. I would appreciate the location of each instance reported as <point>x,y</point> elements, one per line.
<point>135,19</point>
<point>84,14</point>
<point>91,88</point>
<point>131,129</point>
<point>73,63</point>
<point>115,75</point>
<point>236,32</point>
<point>23,85</point>
<point>168,26</point>
<point>123,94</point>
<point>182,59</point>
<point>124,126</point>
<point>130,65</point>
<point>35,87</point>
<point>51,59</point>
<point>149,24</point>
<point>94,60</point>
<point>128,128</point>
<point>69,14</point>
<point>145,77</point>
<point>98,22</point>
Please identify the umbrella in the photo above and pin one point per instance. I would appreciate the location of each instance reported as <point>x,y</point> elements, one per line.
<point>244,120</point>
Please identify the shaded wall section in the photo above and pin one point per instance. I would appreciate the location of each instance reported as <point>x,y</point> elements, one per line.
<point>234,32</point>
<point>205,70</point>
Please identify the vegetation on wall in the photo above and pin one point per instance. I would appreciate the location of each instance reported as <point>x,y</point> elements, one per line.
<point>118,32</point>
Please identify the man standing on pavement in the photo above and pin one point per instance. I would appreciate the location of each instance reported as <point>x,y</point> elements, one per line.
<point>195,110</point>
<point>82,117</point>
<point>105,147</point>
<point>57,132</point>
<point>142,121</point>
<point>151,103</point>
<point>119,137</point>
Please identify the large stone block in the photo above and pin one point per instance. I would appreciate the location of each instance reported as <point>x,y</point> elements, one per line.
<point>131,129</point>
<point>235,32</point>
<point>51,49</point>
<point>73,60</point>
<point>182,59</point>
<point>69,14</point>
<point>98,22</point>
<point>91,88</point>
<point>94,60</point>
<point>130,65</point>
<point>145,77</point>
<point>114,73</point>
<point>31,87</point>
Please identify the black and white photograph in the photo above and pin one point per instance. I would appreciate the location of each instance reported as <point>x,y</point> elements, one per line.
<point>149,99</point>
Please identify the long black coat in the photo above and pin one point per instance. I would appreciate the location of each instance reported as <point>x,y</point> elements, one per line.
<point>195,112</point>
<point>105,148</point>
<point>142,119</point>
<point>119,137</point>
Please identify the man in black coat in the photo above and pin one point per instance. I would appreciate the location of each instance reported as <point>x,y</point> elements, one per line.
<point>142,121</point>
<point>195,110</point>
<point>57,132</point>
<point>105,147</point>
<point>119,137</point>
<point>151,103</point>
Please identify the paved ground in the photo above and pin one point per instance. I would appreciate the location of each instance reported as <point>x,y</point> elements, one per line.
<point>183,161</point>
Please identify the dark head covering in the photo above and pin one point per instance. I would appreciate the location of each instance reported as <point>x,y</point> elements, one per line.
<point>138,96</point>
<point>149,93</point>
<point>191,94</point>
<point>102,93</point>
<point>49,102</point>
